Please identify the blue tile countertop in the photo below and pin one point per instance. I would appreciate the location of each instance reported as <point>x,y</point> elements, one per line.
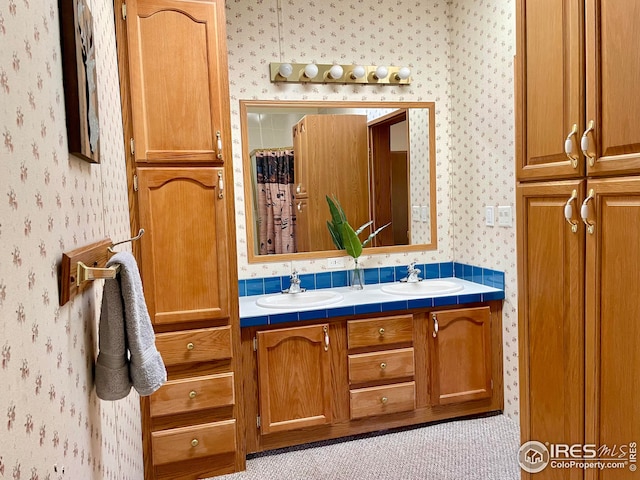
<point>372,299</point>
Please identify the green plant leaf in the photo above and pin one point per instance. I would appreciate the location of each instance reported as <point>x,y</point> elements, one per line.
<point>351,241</point>
<point>370,237</point>
<point>336,236</point>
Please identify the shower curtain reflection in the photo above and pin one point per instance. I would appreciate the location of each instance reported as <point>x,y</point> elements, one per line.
<point>275,211</point>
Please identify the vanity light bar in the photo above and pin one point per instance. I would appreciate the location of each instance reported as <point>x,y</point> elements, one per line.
<point>333,73</point>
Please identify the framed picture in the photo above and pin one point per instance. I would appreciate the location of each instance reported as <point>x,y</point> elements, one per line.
<point>80,75</point>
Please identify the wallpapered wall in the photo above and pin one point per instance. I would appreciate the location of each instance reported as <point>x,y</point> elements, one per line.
<point>461,57</point>
<point>51,203</point>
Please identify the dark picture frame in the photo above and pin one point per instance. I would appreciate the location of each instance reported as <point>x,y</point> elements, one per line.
<point>80,79</point>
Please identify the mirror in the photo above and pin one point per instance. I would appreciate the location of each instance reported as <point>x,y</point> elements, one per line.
<point>376,158</point>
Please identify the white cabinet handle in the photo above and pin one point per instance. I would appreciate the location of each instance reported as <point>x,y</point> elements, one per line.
<point>568,146</point>
<point>568,212</point>
<point>435,325</point>
<point>325,329</point>
<point>585,144</point>
<point>220,185</point>
<point>219,145</point>
<point>584,212</point>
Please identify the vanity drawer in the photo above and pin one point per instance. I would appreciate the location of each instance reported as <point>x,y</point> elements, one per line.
<point>202,345</point>
<point>188,395</point>
<point>366,402</point>
<point>375,332</point>
<point>186,443</point>
<point>389,364</point>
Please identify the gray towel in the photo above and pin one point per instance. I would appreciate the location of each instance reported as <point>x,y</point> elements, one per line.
<point>128,327</point>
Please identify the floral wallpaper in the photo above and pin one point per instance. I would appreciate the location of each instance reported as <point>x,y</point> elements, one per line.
<point>461,57</point>
<point>51,202</point>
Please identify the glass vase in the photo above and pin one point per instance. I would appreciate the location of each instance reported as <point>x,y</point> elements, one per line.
<point>356,280</point>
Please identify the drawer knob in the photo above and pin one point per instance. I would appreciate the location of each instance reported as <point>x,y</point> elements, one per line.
<point>190,346</point>
<point>192,394</point>
<point>383,365</point>
<point>381,331</point>
<point>195,442</point>
<point>384,400</point>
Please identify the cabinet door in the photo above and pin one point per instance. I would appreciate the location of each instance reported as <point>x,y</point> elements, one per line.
<point>551,315</point>
<point>613,75</point>
<point>550,87</point>
<point>178,70</point>
<point>294,378</point>
<point>613,310</point>
<point>460,355</point>
<point>184,249</point>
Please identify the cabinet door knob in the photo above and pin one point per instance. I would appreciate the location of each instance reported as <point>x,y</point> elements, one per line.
<point>192,394</point>
<point>220,185</point>
<point>584,212</point>
<point>195,442</point>
<point>190,346</point>
<point>383,365</point>
<point>219,145</point>
<point>381,331</point>
<point>436,327</point>
<point>384,400</point>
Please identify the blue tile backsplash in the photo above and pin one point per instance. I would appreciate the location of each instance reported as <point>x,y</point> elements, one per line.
<point>312,281</point>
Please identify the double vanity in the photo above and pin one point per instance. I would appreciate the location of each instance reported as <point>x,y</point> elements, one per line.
<point>328,361</point>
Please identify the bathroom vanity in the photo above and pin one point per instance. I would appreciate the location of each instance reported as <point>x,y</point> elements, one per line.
<point>391,363</point>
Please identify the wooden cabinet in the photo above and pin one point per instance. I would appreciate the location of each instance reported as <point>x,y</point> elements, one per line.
<point>184,261</point>
<point>576,275</point>
<point>574,68</point>
<point>461,355</point>
<point>172,59</point>
<point>344,139</point>
<point>294,376</point>
<point>379,372</point>
<point>178,80</point>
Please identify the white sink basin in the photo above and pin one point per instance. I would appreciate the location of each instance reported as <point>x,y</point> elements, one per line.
<point>310,298</point>
<point>423,288</point>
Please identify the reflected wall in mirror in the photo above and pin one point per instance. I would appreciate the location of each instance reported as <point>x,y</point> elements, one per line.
<point>376,158</point>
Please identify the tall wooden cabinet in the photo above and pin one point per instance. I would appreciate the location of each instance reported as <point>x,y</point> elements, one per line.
<point>344,139</point>
<point>173,67</point>
<point>578,223</point>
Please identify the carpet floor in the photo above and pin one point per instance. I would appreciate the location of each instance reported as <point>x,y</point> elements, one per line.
<point>471,449</point>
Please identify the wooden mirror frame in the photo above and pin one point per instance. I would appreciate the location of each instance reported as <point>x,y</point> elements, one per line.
<point>248,193</point>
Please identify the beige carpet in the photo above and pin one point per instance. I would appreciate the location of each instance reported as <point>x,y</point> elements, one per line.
<point>475,449</point>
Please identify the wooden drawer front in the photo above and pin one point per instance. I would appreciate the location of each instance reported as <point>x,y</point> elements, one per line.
<point>178,444</point>
<point>380,331</point>
<point>187,395</point>
<point>370,367</point>
<point>366,402</point>
<point>201,345</point>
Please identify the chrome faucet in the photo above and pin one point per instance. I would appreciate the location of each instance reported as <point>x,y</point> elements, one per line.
<point>295,284</point>
<point>412,274</point>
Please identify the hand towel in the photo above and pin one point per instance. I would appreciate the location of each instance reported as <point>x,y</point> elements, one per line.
<point>112,366</point>
<point>146,367</point>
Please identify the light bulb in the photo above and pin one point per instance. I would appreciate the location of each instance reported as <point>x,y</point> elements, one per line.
<point>403,73</point>
<point>358,72</point>
<point>336,72</point>
<point>311,70</point>
<point>381,72</point>
<point>285,70</point>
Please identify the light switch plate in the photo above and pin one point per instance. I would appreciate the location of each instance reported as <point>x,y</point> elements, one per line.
<point>337,262</point>
<point>423,214</point>
<point>505,218</point>
<point>415,213</point>
<point>490,216</point>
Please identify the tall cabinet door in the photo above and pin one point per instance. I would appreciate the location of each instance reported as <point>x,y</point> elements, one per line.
<point>613,317</point>
<point>551,315</point>
<point>294,377</point>
<point>179,92</point>
<point>550,87</point>
<point>613,76</point>
<point>184,250</point>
